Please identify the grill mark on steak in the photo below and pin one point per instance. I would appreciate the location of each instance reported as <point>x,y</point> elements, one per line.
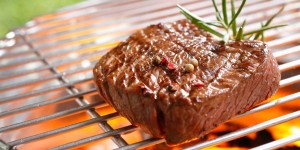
<point>182,53</point>
<point>166,71</point>
<point>142,77</point>
<point>188,52</point>
<point>234,76</point>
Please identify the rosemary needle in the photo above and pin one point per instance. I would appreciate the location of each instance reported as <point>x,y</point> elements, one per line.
<point>233,27</point>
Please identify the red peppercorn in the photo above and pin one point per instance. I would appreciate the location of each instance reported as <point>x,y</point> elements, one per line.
<point>164,61</point>
<point>198,83</point>
<point>171,66</point>
<point>156,60</point>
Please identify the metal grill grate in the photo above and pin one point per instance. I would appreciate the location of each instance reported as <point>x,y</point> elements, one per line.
<point>46,76</point>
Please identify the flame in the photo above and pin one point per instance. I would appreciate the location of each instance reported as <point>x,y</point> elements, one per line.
<point>287,129</point>
<point>120,122</point>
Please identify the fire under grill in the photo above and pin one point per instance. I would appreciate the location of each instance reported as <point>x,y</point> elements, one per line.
<point>48,99</point>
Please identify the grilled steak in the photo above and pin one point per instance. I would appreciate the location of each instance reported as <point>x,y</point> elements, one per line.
<point>175,81</point>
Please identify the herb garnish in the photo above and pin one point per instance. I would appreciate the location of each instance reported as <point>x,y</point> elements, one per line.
<point>224,23</point>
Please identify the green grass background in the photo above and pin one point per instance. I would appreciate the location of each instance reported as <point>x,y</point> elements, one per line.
<point>15,13</point>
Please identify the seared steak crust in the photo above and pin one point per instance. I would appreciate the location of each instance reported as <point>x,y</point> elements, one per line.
<point>167,101</point>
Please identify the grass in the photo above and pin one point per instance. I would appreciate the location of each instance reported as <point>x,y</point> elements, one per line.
<point>15,13</point>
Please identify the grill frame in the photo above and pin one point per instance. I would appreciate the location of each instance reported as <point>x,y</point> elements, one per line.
<point>35,35</point>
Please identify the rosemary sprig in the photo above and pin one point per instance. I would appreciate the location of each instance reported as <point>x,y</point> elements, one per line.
<point>224,23</point>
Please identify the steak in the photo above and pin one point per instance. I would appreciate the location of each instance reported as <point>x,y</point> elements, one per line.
<point>149,79</point>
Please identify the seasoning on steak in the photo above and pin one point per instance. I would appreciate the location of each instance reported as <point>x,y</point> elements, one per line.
<point>145,79</point>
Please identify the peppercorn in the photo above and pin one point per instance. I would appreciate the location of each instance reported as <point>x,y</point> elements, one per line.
<point>189,68</point>
<point>194,62</point>
<point>164,61</point>
<point>172,88</point>
<point>171,66</point>
<point>156,60</point>
<point>198,83</point>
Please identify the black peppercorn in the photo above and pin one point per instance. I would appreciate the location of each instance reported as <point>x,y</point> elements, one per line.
<point>156,60</point>
<point>172,88</point>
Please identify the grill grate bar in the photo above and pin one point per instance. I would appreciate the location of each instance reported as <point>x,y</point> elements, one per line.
<point>96,137</point>
<point>8,74</point>
<point>278,143</point>
<point>63,129</point>
<point>52,116</point>
<point>285,40</point>
<point>20,62</point>
<point>102,47</point>
<point>286,52</point>
<point>245,131</point>
<point>16,85</point>
<point>58,75</point>
<point>290,81</point>
<point>43,103</point>
<point>289,65</point>
<point>261,107</point>
<point>41,91</point>
<point>271,104</point>
<point>14,54</point>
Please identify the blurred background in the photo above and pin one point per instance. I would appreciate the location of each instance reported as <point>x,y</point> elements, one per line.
<point>15,13</point>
